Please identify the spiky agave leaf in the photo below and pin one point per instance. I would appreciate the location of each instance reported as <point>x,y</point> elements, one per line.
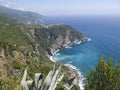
<point>23,81</point>
<point>48,79</point>
<point>70,83</point>
<point>29,82</point>
<point>54,79</point>
<point>38,80</point>
<point>58,80</point>
<point>50,82</point>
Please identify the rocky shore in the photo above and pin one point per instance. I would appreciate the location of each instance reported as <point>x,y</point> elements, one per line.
<point>64,43</point>
<point>76,72</point>
<point>67,39</point>
<point>79,78</point>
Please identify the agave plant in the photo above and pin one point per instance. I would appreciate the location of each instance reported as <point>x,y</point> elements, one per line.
<point>69,84</point>
<point>50,82</point>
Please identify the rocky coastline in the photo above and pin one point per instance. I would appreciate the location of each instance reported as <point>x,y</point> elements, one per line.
<point>64,43</point>
<point>75,73</point>
<point>52,51</point>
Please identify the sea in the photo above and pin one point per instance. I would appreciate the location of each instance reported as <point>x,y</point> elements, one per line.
<point>104,32</point>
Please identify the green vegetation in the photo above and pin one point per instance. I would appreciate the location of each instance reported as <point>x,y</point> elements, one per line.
<point>49,35</point>
<point>22,48</point>
<point>23,45</point>
<point>50,83</point>
<point>106,76</point>
<point>11,33</point>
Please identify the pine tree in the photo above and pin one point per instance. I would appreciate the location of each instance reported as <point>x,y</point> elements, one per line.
<point>106,76</point>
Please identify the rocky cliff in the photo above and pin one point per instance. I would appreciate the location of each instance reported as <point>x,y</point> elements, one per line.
<point>68,38</point>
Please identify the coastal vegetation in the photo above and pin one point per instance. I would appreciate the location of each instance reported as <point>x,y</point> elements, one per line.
<point>23,45</point>
<point>29,45</point>
<point>106,76</point>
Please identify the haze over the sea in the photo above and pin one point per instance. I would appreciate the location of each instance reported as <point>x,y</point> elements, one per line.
<point>66,7</point>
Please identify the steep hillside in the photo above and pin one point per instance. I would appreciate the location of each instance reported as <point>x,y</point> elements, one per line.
<point>22,16</point>
<point>17,52</point>
<point>53,37</point>
<point>28,45</point>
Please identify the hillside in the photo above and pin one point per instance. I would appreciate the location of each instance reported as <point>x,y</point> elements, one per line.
<point>23,45</point>
<point>53,37</point>
<point>22,16</point>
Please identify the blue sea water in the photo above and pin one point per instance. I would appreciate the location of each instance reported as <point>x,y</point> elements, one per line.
<point>105,40</point>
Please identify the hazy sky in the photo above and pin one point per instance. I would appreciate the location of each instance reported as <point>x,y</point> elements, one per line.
<point>66,7</point>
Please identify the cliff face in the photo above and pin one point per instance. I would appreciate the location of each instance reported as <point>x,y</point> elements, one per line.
<point>62,42</point>
<point>68,38</point>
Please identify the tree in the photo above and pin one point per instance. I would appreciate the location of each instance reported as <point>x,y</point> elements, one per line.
<point>106,76</point>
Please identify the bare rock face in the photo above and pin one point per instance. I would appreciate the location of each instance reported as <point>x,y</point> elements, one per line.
<point>62,42</point>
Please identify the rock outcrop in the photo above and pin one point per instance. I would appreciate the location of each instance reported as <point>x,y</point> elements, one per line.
<point>62,42</point>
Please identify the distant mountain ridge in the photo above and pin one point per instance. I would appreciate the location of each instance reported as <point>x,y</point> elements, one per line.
<point>25,17</point>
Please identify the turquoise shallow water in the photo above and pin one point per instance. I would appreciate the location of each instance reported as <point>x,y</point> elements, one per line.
<point>104,33</point>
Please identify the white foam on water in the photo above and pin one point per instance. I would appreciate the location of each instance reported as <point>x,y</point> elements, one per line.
<point>81,78</point>
<point>51,58</point>
<point>89,39</point>
<point>68,47</point>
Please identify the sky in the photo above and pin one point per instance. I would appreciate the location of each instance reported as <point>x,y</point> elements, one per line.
<point>66,7</point>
